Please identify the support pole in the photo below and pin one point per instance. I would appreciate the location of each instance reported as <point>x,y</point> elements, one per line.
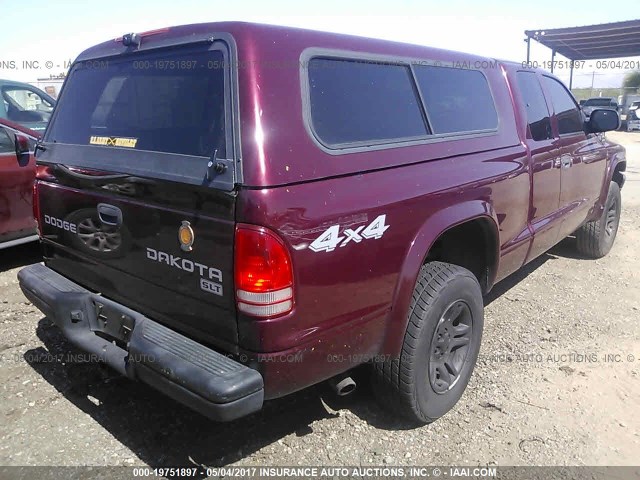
<point>528,48</point>
<point>553,56</point>
<point>571,76</point>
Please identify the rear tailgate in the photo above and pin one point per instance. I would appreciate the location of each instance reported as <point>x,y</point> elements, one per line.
<point>136,186</point>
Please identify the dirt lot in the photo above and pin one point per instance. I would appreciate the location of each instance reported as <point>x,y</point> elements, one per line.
<point>542,393</point>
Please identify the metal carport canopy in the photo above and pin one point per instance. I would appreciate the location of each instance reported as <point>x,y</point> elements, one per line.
<point>590,42</point>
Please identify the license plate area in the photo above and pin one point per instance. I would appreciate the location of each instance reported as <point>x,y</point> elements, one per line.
<point>111,322</point>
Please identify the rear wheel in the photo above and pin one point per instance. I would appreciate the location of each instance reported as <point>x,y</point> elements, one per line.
<point>595,239</point>
<point>440,347</point>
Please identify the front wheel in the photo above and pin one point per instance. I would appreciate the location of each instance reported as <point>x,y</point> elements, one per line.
<point>595,238</point>
<point>440,346</point>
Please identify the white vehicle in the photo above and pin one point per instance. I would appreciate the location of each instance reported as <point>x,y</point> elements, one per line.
<point>625,102</point>
<point>633,117</point>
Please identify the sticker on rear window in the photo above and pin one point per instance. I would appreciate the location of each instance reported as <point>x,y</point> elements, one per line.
<point>113,141</point>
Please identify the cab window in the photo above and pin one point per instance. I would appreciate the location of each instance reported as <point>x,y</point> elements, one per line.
<point>537,111</point>
<point>565,107</point>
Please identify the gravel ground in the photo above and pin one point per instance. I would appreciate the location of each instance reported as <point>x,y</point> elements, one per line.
<point>557,383</point>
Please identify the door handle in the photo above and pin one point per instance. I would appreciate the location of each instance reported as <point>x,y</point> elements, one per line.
<point>566,161</point>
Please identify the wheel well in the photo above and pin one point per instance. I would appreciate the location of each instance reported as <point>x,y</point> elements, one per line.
<point>472,245</point>
<point>617,173</point>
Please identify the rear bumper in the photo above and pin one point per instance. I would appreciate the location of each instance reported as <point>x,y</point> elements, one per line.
<point>187,371</point>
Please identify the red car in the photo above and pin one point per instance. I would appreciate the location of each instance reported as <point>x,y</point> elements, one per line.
<point>17,173</point>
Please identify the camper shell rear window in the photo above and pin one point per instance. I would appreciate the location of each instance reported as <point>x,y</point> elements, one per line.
<point>169,107</point>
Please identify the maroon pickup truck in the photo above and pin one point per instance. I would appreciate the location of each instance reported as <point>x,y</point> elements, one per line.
<point>17,174</point>
<point>233,212</point>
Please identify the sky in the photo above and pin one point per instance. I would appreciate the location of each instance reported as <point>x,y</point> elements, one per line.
<point>52,33</point>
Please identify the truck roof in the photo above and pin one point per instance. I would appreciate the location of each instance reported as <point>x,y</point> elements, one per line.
<point>251,33</point>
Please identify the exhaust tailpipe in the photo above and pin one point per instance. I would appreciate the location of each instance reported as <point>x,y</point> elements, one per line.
<point>343,385</point>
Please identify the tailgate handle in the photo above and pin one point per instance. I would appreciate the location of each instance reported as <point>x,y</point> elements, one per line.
<point>109,215</point>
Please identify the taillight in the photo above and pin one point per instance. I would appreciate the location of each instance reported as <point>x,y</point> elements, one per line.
<point>35,203</point>
<point>43,172</point>
<point>36,206</point>
<point>263,272</point>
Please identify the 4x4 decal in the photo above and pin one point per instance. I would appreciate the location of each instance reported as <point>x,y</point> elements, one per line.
<point>330,239</point>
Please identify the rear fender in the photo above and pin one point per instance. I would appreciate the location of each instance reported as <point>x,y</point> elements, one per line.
<point>430,231</point>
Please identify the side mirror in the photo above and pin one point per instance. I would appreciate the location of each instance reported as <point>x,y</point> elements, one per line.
<point>602,120</point>
<point>22,149</point>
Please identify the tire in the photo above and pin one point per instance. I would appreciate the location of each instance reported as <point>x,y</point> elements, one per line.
<point>413,385</point>
<point>595,238</point>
